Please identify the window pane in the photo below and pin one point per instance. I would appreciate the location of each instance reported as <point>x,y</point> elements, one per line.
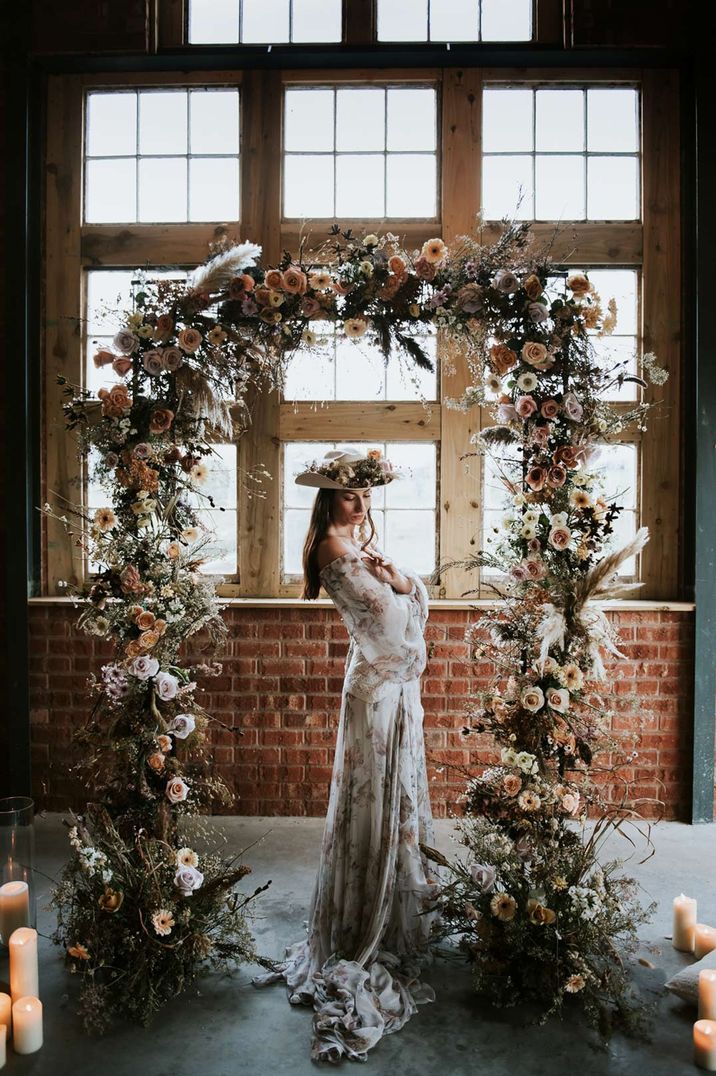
<point>310,375</point>
<point>621,285</point>
<point>507,187</point>
<point>295,526</point>
<point>398,21</point>
<point>410,539</point>
<point>360,185</point>
<point>214,121</point>
<point>406,381</point>
<point>411,185</point>
<point>163,122</point>
<point>417,487</point>
<point>411,119</point>
<point>613,121</point>
<point>162,189</point>
<point>214,189</point>
<point>308,186</point>
<point>560,120</point>
<point>559,185</point>
<point>613,192</point>
<point>296,454</point>
<point>309,120</point>
<point>618,464</point>
<point>220,484</point>
<point>213,21</point>
<point>360,372</point>
<point>613,350</point>
<point>360,119</point>
<point>111,190</point>
<point>454,20</point>
<point>316,20</point>
<point>506,20</point>
<point>111,124</point>
<point>265,21</point>
<point>507,121</point>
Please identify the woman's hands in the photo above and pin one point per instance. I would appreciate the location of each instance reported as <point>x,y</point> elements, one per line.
<point>384,570</point>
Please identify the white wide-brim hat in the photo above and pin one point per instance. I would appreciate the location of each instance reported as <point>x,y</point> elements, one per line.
<point>336,459</point>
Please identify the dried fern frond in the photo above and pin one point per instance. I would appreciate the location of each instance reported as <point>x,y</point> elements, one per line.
<point>216,274</point>
<point>497,435</point>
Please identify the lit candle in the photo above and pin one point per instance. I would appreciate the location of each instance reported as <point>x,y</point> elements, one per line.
<point>27,1025</point>
<point>707,994</point>
<point>23,963</point>
<point>684,923</point>
<point>14,908</point>
<point>704,940</point>
<point>704,1044</point>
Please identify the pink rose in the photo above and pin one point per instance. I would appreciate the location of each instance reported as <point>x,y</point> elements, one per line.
<point>505,281</point>
<point>310,307</point>
<point>536,478</point>
<point>556,476</point>
<point>424,269</point>
<point>560,538</point>
<point>166,686</point>
<point>189,339</point>
<point>540,436</point>
<point>537,312</point>
<point>152,362</point>
<point>549,409</point>
<point>176,790</point>
<point>533,352</point>
<point>103,358</point>
<point>535,569</point>
<point>525,406</point>
<point>187,879</point>
<point>125,341</point>
<point>506,413</point>
<point>172,359</point>
<point>122,365</point>
<point>572,407</point>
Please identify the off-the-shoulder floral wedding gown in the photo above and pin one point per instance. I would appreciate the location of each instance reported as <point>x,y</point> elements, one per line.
<point>372,906</point>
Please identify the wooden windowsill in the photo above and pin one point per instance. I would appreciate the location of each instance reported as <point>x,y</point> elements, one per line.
<point>434,603</point>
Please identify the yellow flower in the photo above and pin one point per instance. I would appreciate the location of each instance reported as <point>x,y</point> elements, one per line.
<point>538,914</point>
<point>503,906</point>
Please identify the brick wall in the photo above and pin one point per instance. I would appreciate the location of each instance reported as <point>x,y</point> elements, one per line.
<point>281,684</point>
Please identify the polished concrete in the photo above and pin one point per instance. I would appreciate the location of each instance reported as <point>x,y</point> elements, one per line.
<point>228,1027</point>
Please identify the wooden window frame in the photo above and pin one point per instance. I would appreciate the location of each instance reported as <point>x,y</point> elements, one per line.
<point>652,244</point>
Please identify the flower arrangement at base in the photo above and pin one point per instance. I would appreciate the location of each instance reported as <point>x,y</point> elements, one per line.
<point>539,916</point>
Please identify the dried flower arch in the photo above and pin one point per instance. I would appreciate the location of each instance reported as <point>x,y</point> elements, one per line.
<point>185,354</point>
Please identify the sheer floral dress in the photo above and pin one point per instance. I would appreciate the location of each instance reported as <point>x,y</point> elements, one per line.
<point>371,911</point>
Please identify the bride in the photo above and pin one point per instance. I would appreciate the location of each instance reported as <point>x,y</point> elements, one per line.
<point>372,907</point>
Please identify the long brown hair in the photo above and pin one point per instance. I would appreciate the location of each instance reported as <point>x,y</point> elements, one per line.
<point>321,519</point>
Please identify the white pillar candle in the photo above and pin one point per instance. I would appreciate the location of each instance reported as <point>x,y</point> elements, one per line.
<point>684,924</point>
<point>704,940</point>
<point>23,963</point>
<point>14,908</point>
<point>3,1045</point>
<point>27,1025</point>
<point>6,1012</point>
<point>704,1044</point>
<point>707,994</point>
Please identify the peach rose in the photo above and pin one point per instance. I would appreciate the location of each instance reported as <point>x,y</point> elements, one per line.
<point>578,284</point>
<point>273,279</point>
<point>533,286</point>
<point>424,269</point>
<point>160,626</point>
<point>160,420</point>
<point>122,365</point>
<point>164,327</point>
<point>540,435</point>
<point>111,900</point>
<point>538,914</point>
<point>148,639</point>
<point>145,619</point>
<point>133,649</point>
<point>396,265</point>
<point>103,358</point>
<point>533,352</point>
<point>549,409</point>
<point>502,358</point>
<point>295,281</point>
<point>165,743</point>
<point>525,406</point>
<point>176,790</point>
<point>536,477</point>
<point>568,455</point>
<point>511,784</point>
<point>240,285</point>
<point>189,339</point>
<point>156,761</point>
<point>560,538</point>
<point>556,476</point>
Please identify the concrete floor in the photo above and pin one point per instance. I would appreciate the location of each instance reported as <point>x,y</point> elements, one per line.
<point>229,1027</point>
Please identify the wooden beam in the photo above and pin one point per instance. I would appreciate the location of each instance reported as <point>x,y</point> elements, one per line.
<point>367,421</point>
<point>62,474</point>
<point>661,332</point>
<point>135,245</point>
<point>260,517</point>
<point>460,491</point>
<point>585,243</point>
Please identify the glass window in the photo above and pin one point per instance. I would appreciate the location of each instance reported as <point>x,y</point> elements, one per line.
<point>218,521</point>
<point>360,152</point>
<point>264,22</point>
<point>162,156</point>
<point>618,468</point>
<point>561,153</point>
<point>342,369</point>
<point>455,20</point>
<point>404,512</point>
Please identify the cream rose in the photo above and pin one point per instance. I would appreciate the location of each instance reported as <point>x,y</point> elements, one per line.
<point>176,790</point>
<point>532,699</point>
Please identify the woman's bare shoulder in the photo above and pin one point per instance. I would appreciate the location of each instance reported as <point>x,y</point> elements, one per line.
<point>331,548</point>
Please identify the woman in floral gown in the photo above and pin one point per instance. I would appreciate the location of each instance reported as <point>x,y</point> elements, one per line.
<point>372,907</point>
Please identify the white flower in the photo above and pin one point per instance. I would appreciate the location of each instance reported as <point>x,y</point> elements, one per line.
<point>532,699</point>
<point>507,756</point>
<point>182,726</point>
<point>176,790</point>
<point>529,531</point>
<point>558,699</point>
<point>530,516</point>
<point>166,686</point>
<point>371,240</point>
<point>144,667</point>
<point>559,519</point>
<point>526,762</point>
<point>187,857</point>
<point>527,381</point>
<point>187,879</point>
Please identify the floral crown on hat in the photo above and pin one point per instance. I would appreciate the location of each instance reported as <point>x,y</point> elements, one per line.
<point>348,469</point>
